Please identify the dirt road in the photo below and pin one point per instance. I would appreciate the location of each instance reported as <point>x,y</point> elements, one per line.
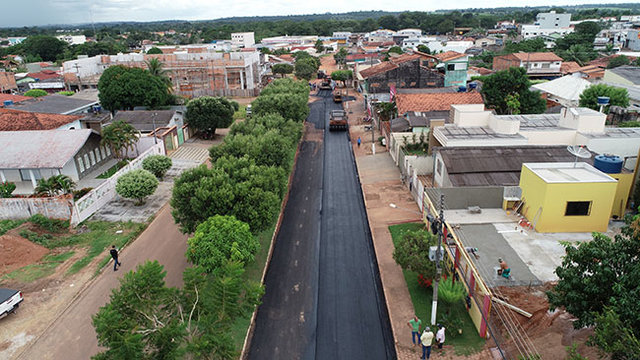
<point>72,336</point>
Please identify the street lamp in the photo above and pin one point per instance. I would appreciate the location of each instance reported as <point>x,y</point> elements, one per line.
<point>153,120</point>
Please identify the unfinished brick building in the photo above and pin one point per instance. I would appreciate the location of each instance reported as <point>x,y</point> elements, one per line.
<point>408,71</point>
<point>193,73</point>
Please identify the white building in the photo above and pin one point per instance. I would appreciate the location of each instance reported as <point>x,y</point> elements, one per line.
<point>630,18</point>
<point>73,39</point>
<point>380,35</point>
<point>474,126</point>
<point>289,40</point>
<point>243,39</point>
<point>547,24</point>
<point>415,33</point>
<point>413,42</point>
<point>341,35</point>
<point>457,46</point>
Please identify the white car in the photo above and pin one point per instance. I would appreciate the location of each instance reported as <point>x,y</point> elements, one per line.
<point>248,110</point>
<point>9,301</point>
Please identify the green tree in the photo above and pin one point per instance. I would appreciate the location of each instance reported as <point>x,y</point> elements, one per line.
<point>529,45</point>
<point>289,106</point>
<point>319,46</point>
<point>48,48</point>
<point>618,61</point>
<point>158,165</point>
<point>122,87</point>
<point>305,69</point>
<point>55,185</point>
<point>35,93</point>
<point>282,69</point>
<point>156,68</point>
<point>145,319</point>
<point>341,56</point>
<point>412,253</point>
<point>219,239</point>
<point>395,50</point>
<point>513,104</point>
<point>119,136</point>
<point>209,113</point>
<point>424,49</point>
<point>137,185</point>
<point>154,51</point>
<point>580,53</point>
<point>451,292</point>
<point>617,96</point>
<point>614,337</point>
<point>511,81</point>
<point>342,75</point>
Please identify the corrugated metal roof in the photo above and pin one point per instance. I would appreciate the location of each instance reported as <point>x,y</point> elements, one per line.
<point>44,149</point>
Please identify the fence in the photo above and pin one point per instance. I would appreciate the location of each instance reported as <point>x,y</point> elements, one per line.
<point>105,192</point>
<point>58,207</point>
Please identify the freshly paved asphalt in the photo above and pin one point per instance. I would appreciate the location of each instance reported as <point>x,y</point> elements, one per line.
<point>323,295</point>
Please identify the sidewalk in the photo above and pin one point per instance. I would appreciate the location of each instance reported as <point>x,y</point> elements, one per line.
<point>382,186</point>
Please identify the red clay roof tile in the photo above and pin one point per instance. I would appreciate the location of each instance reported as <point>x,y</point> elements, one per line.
<point>434,101</point>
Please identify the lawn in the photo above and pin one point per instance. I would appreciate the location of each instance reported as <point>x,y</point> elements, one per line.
<point>112,170</point>
<point>465,344</point>
<point>6,225</point>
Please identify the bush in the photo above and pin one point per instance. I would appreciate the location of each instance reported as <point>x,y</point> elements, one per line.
<point>137,185</point>
<point>78,194</point>
<point>158,165</point>
<point>221,238</point>
<point>6,189</point>
<point>35,238</point>
<point>36,93</point>
<point>51,225</point>
<point>65,93</point>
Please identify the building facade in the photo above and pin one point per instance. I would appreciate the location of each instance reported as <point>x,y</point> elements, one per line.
<point>243,40</point>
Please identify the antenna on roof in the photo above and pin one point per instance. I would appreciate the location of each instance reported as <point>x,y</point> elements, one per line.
<point>579,151</point>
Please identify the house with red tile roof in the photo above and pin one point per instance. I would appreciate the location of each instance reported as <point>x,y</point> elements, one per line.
<point>428,102</point>
<point>12,99</point>
<point>16,120</point>
<point>7,82</point>
<point>539,65</point>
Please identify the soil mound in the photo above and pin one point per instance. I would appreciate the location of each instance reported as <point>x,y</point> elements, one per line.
<point>18,252</point>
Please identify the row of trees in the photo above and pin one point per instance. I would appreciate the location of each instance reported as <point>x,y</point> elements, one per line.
<point>305,66</point>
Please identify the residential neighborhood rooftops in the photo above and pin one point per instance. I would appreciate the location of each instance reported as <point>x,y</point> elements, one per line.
<point>16,120</point>
<point>499,165</point>
<point>14,98</point>
<point>434,101</point>
<point>568,172</point>
<point>143,120</point>
<point>53,104</point>
<point>630,73</point>
<point>44,75</point>
<point>25,149</point>
<point>449,55</point>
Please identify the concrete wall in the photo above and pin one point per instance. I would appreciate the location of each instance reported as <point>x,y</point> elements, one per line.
<point>22,208</point>
<point>487,197</point>
<point>622,147</point>
<point>623,190</point>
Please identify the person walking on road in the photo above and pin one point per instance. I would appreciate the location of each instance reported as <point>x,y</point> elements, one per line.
<point>440,336</point>
<point>426,339</point>
<point>114,255</point>
<point>359,141</point>
<point>415,324</point>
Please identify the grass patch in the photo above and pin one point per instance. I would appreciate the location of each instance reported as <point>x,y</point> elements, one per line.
<point>465,344</point>
<point>37,271</point>
<point>6,225</point>
<point>112,170</point>
<point>102,234</point>
<point>253,272</point>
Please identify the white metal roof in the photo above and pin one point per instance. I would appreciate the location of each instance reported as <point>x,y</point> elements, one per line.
<point>567,87</point>
<point>579,172</point>
<point>42,149</point>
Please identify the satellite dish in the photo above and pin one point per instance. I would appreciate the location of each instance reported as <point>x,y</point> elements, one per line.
<point>579,151</point>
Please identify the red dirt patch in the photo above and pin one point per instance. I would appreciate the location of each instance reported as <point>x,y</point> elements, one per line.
<point>18,252</point>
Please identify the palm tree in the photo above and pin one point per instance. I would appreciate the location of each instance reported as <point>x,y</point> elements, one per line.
<point>156,68</point>
<point>54,185</point>
<point>120,136</point>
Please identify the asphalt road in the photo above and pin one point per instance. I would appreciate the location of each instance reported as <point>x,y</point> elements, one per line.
<point>72,336</point>
<point>323,295</point>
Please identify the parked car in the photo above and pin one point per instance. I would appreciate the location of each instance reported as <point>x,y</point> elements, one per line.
<point>9,301</point>
<point>248,110</point>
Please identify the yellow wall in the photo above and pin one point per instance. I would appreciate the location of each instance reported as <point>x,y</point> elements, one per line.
<point>553,198</point>
<point>625,181</point>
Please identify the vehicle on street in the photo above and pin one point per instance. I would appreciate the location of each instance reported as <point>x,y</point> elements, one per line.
<point>337,96</point>
<point>338,120</point>
<point>326,84</point>
<point>9,301</point>
<point>248,110</point>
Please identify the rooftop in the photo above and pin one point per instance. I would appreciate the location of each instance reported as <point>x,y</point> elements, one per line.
<point>50,149</point>
<point>454,132</point>
<point>568,172</point>
<point>537,56</point>
<point>16,120</point>
<point>143,119</point>
<point>567,87</point>
<point>14,98</point>
<point>435,101</point>
<point>449,55</point>
<point>53,104</point>
<point>630,73</point>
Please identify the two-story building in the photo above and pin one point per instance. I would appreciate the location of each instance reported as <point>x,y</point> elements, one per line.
<point>243,39</point>
<point>454,65</point>
<point>546,24</point>
<point>541,65</point>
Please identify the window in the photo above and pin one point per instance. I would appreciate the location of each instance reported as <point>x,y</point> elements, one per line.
<point>80,164</point>
<point>578,208</point>
<point>93,158</point>
<point>97,152</point>
<point>103,152</point>
<point>86,161</point>
<point>108,150</point>
<point>26,176</point>
<point>451,67</point>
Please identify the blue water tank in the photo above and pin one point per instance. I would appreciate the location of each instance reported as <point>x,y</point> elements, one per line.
<point>610,164</point>
<point>8,102</point>
<point>603,100</point>
<point>462,89</point>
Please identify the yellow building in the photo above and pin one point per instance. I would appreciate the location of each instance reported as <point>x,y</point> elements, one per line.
<point>625,182</point>
<point>566,197</point>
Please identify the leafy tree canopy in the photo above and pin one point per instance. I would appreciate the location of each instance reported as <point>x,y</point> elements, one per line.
<point>137,185</point>
<point>48,48</point>
<point>512,81</point>
<point>119,136</point>
<point>282,69</point>
<point>154,51</point>
<point>210,113</point>
<point>122,87</point>
<point>36,93</point>
<point>618,61</point>
<point>289,106</point>
<point>412,252</point>
<point>617,96</point>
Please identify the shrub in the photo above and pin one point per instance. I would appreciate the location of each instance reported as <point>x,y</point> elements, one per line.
<point>51,225</point>
<point>158,165</point>
<point>36,93</point>
<point>6,189</point>
<point>221,238</point>
<point>78,194</point>
<point>65,93</point>
<point>57,184</point>
<point>137,185</point>
<point>35,238</point>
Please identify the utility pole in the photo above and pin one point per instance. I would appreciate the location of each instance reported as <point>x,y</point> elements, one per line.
<point>155,135</point>
<point>434,305</point>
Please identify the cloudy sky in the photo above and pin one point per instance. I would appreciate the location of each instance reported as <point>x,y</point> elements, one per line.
<point>43,12</point>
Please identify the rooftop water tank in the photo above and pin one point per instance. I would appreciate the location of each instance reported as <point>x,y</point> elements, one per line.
<point>607,163</point>
<point>8,103</point>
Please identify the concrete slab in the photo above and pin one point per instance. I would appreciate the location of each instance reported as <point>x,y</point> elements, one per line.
<point>491,246</point>
<point>376,168</point>
<point>487,216</point>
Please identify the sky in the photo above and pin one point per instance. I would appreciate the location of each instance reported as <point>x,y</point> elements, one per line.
<point>17,13</point>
